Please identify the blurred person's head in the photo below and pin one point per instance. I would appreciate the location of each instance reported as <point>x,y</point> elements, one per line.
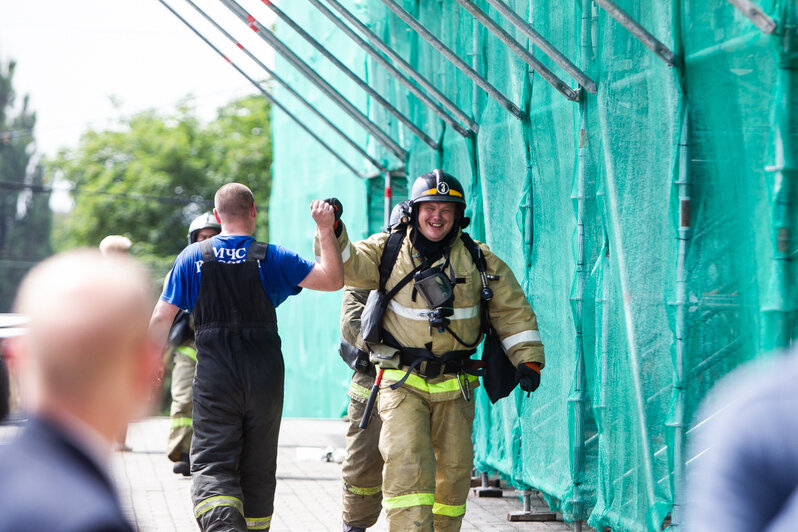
<point>234,207</point>
<point>115,244</point>
<point>87,353</point>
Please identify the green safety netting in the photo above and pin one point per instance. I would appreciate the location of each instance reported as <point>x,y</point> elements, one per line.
<point>588,203</point>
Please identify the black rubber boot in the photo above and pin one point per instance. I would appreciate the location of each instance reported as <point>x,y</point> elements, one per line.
<point>183,466</point>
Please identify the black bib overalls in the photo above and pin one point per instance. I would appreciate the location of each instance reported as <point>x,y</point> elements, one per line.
<point>238,395</point>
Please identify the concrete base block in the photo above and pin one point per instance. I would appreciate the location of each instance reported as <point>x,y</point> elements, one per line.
<point>531,516</point>
<point>488,492</point>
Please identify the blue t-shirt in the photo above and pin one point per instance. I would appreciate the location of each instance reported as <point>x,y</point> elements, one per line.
<point>280,272</point>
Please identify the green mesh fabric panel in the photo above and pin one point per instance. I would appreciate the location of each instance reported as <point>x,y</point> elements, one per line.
<point>584,201</point>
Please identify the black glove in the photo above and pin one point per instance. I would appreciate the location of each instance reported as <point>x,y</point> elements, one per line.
<point>339,210</point>
<point>529,376</point>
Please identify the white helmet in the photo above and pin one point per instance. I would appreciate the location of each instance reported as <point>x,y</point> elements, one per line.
<point>203,221</point>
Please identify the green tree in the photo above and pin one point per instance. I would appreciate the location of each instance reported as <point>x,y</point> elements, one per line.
<point>149,176</point>
<point>25,216</point>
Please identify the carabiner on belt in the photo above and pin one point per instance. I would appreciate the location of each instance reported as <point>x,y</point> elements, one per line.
<point>464,390</point>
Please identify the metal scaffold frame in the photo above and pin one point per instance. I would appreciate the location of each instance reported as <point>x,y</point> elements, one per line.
<point>449,54</point>
<point>395,72</point>
<point>519,50</point>
<point>354,77</point>
<point>289,88</point>
<point>414,74</point>
<point>263,91</point>
<point>637,30</point>
<point>278,46</point>
<point>545,46</point>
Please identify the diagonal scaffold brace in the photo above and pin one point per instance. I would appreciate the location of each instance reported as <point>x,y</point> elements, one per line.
<point>449,54</point>
<point>263,91</point>
<point>638,31</point>
<point>316,79</point>
<point>545,46</point>
<point>755,15</point>
<point>519,50</point>
<point>414,74</point>
<point>290,89</point>
<point>394,71</point>
<point>351,75</point>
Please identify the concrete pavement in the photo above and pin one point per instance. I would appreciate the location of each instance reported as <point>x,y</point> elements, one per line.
<point>308,497</point>
<point>308,487</point>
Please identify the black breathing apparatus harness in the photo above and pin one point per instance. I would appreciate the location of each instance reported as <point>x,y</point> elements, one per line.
<point>436,287</point>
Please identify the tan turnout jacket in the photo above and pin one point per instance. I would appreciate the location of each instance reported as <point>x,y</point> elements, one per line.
<point>510,313</point>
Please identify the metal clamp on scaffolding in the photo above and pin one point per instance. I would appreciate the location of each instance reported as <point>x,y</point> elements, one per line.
<point>449,54</point>
<point>263,91</point>
<point>281,48</point>
<point>289,88</point>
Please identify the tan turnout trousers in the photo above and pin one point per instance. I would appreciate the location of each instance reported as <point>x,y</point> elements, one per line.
<point>180,431</point>
<point>426,444</point>
<point>362,468</point>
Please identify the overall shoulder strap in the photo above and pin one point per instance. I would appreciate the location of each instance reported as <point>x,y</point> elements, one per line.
<point>206,247</point>
<point>257,251</point>
<point>390,252</point>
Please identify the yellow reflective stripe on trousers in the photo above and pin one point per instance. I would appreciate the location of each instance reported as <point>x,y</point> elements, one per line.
<point>363,491</point>
<point>258,523</point>
<point>181,422</point>
<point>411,499</point>
<point>219,500</point>
<point>448,510</point>
<point>358,390</point>
<point>187,351</point>
<point>420,383</point>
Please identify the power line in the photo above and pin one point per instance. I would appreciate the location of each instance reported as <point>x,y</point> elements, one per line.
<point>113,195</point>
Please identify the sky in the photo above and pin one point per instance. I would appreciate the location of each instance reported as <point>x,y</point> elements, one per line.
<point>73,58</point>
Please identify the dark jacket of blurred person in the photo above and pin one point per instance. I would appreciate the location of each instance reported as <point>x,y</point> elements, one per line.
<point>743,476</point>
<point>87,367</point>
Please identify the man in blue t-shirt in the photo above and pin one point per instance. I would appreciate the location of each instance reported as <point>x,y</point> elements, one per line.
<point>231,284</point>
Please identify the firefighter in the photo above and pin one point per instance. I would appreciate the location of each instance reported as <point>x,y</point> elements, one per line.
<point>181,346</point>
<point>232,284</point>
<point>422,321</point>
<point>362,467</point>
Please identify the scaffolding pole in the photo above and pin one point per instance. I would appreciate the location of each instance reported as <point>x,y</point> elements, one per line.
<point>683,236</point>
<point>779,305</point>
<point>263,91</point>
<point>414,74</point>
<point>755,15</point>
<point>354,77</point>
<point>289,88</point>
<point>317,80</point>
<point>638,31</point>
<point>519,50</point>
<point>449,54</point>
<point>545,46</point>
<point>395,72</point>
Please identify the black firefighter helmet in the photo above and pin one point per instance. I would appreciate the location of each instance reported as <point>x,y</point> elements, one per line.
<point>437,186</point>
